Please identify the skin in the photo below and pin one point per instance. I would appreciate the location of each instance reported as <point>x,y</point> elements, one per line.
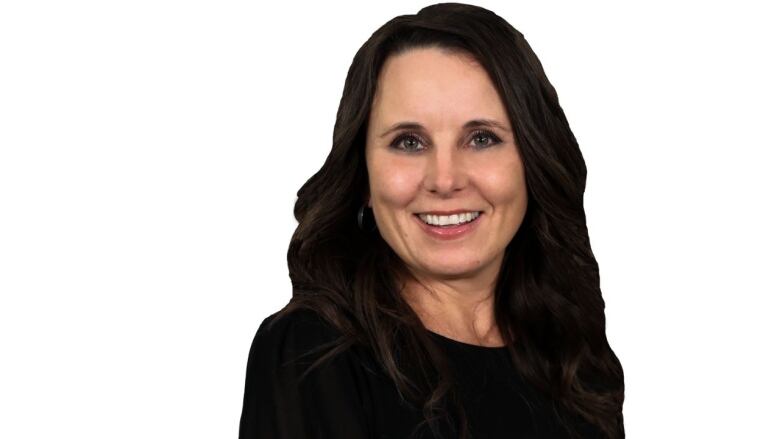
<point>449,167</point>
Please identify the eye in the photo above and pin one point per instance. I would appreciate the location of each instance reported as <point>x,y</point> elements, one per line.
<point>488,136</point>
<point>408,142</point>
<point>413,143</point>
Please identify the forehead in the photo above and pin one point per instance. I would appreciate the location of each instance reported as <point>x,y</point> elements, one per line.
<point>429,83</point>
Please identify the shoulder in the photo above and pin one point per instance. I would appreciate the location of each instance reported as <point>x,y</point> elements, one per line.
<point>293,333</point>
<point>302,343</point>
<point>295,383</point>
<point>297,322</point>
<point>297,339</point>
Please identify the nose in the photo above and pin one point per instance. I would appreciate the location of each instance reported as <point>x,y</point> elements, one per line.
<point>445,173</point>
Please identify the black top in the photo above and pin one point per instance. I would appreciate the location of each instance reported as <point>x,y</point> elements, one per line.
<point>349,398</point>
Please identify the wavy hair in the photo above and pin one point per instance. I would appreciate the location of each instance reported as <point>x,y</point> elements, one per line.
<point>548,302</point>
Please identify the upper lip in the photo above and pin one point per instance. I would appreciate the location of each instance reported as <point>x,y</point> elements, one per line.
<point>448,212</point>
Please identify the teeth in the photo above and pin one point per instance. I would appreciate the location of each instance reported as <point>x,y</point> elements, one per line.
<point>446,220</point>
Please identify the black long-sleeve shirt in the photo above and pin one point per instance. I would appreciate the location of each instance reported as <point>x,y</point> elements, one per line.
<point>349,398</point>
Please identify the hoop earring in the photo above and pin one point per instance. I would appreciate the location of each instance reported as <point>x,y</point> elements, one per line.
<point>361,219</point>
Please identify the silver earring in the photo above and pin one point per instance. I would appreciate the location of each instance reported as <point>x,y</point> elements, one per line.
<point>360,219</point>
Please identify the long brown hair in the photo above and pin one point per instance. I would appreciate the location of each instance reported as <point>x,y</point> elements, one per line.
<point>548,302</point>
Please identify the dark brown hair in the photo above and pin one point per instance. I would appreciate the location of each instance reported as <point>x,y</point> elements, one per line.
<point>548,302</point>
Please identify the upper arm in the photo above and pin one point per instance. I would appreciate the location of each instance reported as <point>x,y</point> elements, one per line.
<point>280,403</point>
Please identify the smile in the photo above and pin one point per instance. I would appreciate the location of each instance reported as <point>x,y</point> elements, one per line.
<point>449,227</point>
<point>448,220</point>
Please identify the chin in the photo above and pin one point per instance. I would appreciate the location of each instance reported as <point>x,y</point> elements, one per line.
<point>453,270</point>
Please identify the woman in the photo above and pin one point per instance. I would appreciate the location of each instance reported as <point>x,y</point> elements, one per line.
<point>464,301</point>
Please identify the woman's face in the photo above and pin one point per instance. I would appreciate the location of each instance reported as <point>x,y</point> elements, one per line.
<point>445,164</point>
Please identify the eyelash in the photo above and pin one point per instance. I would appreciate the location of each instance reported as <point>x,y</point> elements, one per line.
<point>410,135</point>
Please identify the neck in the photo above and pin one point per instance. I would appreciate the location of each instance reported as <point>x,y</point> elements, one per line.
<point>462,309</point>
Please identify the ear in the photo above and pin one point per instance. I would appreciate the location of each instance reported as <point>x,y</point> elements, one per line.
<point>369,203</point>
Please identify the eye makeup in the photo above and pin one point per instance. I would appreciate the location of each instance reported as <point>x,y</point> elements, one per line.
<point>410,135</point>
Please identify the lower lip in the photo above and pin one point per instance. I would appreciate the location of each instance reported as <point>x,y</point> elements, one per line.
<point>448,233</point>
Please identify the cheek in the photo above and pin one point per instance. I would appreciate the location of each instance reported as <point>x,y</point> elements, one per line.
<point>505,185</point>
<point>392,183</point>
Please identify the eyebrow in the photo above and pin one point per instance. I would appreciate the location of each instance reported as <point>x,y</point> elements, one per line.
<point>406,125</point>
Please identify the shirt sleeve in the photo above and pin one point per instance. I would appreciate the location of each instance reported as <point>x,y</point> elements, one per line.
<point>329,403</point>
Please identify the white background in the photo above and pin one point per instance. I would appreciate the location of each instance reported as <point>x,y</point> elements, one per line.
<point>150,152</point>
